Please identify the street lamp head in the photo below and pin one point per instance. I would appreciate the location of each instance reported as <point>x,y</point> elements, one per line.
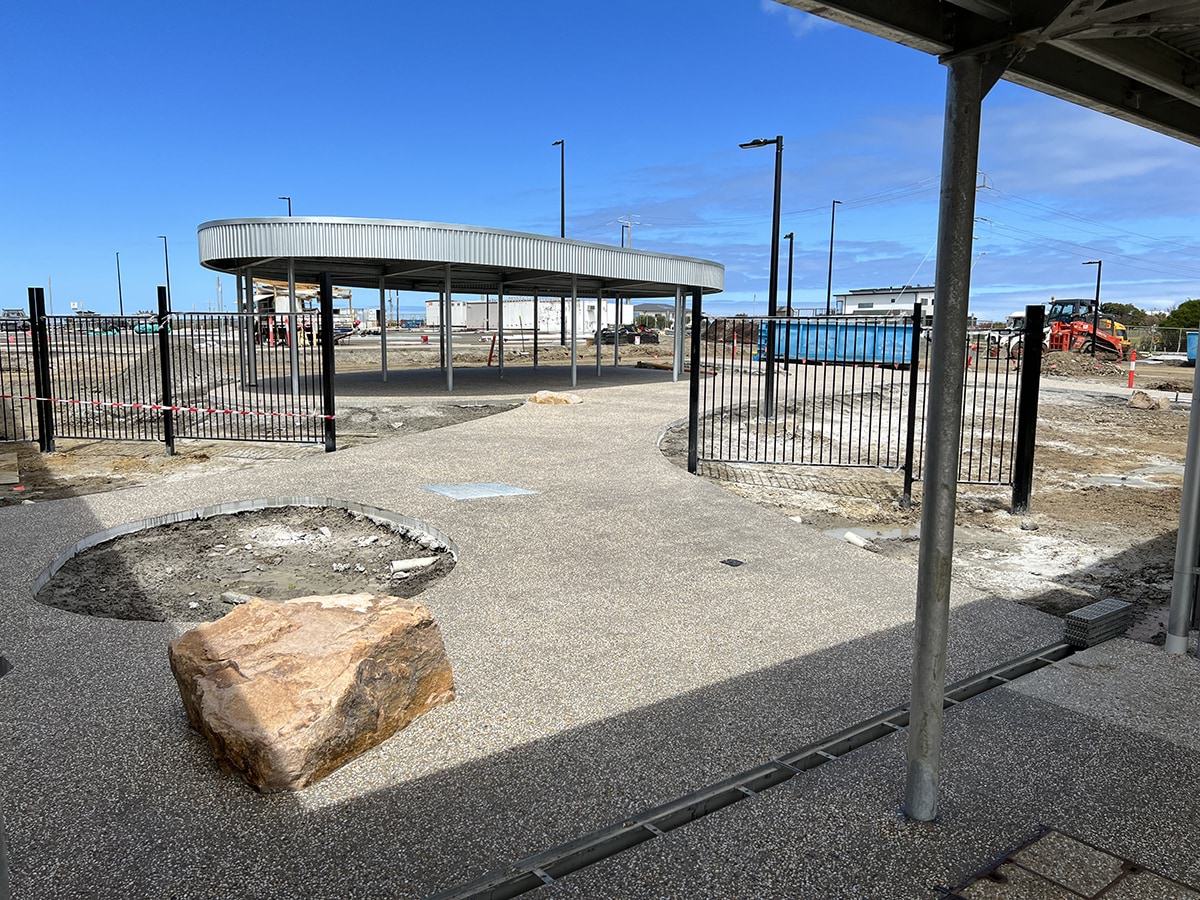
<point>788,236</point>
<point>557,144</point>
<point>757,142</point>
<point>162,237</point>
<point>1091,262</point>
<point>837,202</point>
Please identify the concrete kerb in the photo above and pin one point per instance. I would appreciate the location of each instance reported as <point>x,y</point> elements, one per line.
<point>406,524</point>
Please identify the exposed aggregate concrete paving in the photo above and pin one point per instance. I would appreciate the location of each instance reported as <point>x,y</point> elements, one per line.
<point>605,661</point>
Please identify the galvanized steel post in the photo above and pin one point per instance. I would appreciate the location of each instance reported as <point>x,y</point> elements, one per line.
<point>252,332</point>
<point>537,310</point>
<point>448,329</point>
<point>383,324</point>
<point>617,330</point>
<point>599,316</point>
<point>500,324</point>
<point>293,337</point>
<point>574,324</point>
<point>677,335</point>
<point>1187,544</point>
<point>960,154</point>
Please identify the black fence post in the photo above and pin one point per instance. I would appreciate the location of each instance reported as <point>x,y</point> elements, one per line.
<point>694,386</point>
<point>164,367</point>
<point>1027,407</point>
<point>39,335</point>
<point>327,361</point>
<point>914,381</point>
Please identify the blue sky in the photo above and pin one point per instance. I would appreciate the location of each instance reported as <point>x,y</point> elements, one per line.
<point>130,120</point>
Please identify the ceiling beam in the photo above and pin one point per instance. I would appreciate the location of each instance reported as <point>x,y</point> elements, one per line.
<point>1063,74</point>
<point>996,10</point>
<point>1131,8</point>
<point>1132,30</point>
<point>1155,65</point>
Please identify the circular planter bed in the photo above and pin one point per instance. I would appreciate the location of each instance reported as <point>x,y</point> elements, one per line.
<point>197,565</point>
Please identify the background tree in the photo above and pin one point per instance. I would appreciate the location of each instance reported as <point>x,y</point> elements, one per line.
<point>1185,315</point>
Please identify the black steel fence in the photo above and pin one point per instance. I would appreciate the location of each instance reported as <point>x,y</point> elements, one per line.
<point>18,420</point>
<point>214,376</point>
<point>847,391</point>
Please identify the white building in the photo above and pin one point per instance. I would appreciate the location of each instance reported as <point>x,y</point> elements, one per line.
<point>888,301</point>
<point>483,314</point>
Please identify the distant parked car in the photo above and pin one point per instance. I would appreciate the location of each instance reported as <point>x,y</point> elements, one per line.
<point>150,328</point>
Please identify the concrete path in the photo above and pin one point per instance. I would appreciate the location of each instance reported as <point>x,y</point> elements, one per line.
<point>606,660</point>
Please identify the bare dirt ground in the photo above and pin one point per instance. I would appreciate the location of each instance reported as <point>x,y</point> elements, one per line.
<point>89,467</point>
<point>1105,502</point>
<point>184,572</point>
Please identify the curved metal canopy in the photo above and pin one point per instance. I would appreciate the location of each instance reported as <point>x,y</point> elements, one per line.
<point>412,256</point>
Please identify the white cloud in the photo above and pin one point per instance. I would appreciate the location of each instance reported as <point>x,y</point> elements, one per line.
<point>800,23</point>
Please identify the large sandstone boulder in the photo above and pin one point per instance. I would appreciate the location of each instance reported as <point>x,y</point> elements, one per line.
<point>286,692</point>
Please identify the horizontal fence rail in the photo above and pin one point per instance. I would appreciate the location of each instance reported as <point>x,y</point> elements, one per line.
<point>846,391</point>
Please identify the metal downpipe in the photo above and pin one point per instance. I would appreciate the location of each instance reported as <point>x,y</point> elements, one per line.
<point>960,153</point>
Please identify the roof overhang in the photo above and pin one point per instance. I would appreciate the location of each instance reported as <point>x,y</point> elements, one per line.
<point>1137,60</point>
<point>413,256</point>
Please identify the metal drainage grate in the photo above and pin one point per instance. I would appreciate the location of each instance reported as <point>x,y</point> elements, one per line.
<point>5,666</point>
<point>544,868</point>
<point>733,563</point>
<point>1097,622</point>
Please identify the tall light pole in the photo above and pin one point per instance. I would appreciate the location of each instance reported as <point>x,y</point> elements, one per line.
<point>790,238</point>
<point>773,287</point>
<point>829,283</point>
<point>289,203</point>
<point>562,230</point>
<point>120,295</point>
<point>167,265</point>
<point>1099,264</point>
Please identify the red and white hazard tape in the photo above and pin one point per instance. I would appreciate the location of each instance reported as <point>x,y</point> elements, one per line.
<point>158,407</point>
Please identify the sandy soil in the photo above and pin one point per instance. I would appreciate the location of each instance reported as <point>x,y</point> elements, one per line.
<point>180,572</point>
<point>89,467</point>
<point>1105,504</point>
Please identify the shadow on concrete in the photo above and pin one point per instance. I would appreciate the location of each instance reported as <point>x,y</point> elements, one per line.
<point>171,824</point>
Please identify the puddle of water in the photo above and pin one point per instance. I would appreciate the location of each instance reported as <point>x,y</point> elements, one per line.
<point>1122,481</point>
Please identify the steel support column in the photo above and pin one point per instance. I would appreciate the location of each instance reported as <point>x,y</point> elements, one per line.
<point>677,335</point>
<point>328,401</point>
<point>448,330</point>
<point>574,330</point>
<point>599,316</point>
<point>1187,544</point>
<point>616,331</point>
<point>293,337</point>
<point>960,153</point>
<point>252,331</point>
<point>500,324</point>
<point>382,329</point>
<point>239,307</point>
<point>537,309</point>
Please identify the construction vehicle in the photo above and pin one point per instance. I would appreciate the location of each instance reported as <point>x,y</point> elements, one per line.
<point>1070,328</point>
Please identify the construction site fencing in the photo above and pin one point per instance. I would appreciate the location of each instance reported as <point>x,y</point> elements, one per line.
<point>211,376</point>
<point>853,391</point>
<point>1147,339</point>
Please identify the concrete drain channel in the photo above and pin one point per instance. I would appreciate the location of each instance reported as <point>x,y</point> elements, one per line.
<point>546,867</point>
